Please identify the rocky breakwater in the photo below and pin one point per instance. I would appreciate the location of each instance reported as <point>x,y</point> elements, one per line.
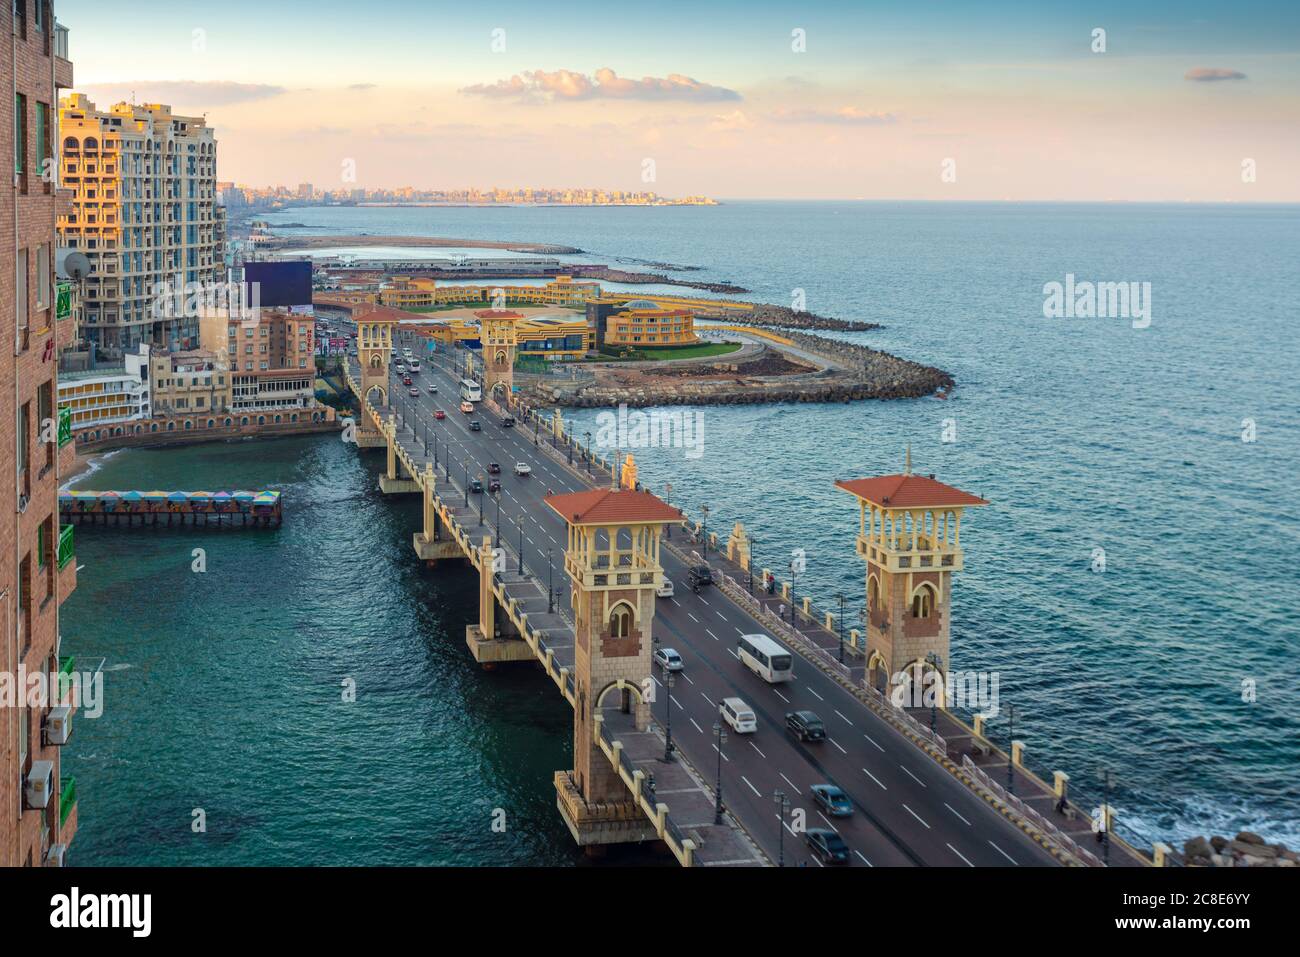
<point>851,372</point>
<point>1247,849</point>
<point>769,316</point>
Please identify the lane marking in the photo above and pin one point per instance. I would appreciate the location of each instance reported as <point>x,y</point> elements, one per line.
<point>960,854</point>
<point>788,781</point>
<point>1005,854</point>
<point>697,727</point>
<point>873,741</point>
<point>760,753</point>
<point>915,815</point>
<point>814,694</point>
<point>874,778</point>
<point>912,776</point>
<point>837,744</point>
<point>864,860</point>
<point>837,711</point>
<point>954,811</point>
<point>751,787</point>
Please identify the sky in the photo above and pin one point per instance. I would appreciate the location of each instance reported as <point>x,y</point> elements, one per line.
<point>931,100</point>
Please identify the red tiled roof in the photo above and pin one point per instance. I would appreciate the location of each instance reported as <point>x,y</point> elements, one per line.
<point>388,314</point>
<point>908,491</point>
<point>604,506</point>
<point>498,314</point>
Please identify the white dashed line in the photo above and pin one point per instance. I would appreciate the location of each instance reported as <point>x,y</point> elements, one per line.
<point>874,778</point>
<point>960,854</point>
<point>1005,854</point>
<point>915,815</point>
<point>913,776</point>
<point>954,811</point>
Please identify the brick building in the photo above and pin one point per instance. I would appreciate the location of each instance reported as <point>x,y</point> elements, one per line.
<point>38,813</point>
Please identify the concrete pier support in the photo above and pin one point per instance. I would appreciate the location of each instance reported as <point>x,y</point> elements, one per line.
<point>489,643</point>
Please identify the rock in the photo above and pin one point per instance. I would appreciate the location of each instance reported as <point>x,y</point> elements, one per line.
<point>1219,843</point>
<point>1252,849</point>
<point>1249,837</point>
<point>1197,847</point>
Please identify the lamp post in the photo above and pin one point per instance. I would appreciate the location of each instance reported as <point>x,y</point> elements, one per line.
<point>521,548</point>
<point>705,528</point>
<point>466,484</point>
<point>480,508</point>
<point>721,735</point>
<point>497,534</point>
<point>782,804</point>
<point>1011,746</point>
<point>668,716</point>
<point>550,582</point>
<point>588,435</point>
<point>935,662</point>
<point>840,621</point>
<point>668,500</point>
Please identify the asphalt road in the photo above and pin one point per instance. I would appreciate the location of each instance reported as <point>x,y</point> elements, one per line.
<point>907,809</point>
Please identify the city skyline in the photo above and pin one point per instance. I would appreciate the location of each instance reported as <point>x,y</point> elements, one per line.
<point>1010,102</point>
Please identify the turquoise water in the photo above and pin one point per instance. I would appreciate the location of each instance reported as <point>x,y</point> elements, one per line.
<point>1083,434</point>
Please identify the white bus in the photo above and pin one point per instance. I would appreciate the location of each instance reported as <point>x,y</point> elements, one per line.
<point>415,365</point>
<point>470,391</point>
<point>765,658</point>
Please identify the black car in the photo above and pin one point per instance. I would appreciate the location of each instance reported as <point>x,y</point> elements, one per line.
<point>827,845</point>
<point>508,422</point>
<point>494,486</point>
<point>474,426</point>
<point>476,487</point>
<point>494,468</point>
<point>806,726</point>
<point>699,575</point>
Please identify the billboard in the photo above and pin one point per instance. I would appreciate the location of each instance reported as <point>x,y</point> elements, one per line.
<point>279,283</point>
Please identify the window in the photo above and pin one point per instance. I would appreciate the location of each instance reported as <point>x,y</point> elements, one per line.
<point>24,443</point>
<point>20,134</point>
<point>620,621</point>
<point>20,293</point>
<point>42,277</point>
<point>922,602</point>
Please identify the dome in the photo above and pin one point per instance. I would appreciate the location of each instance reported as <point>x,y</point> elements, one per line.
<point>640,304</point>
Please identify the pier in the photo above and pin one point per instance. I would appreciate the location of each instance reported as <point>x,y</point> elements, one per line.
<point>212,509</point>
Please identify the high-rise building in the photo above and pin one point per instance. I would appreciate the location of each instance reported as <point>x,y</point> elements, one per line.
<point>38,570</point>
<point>145,213</point>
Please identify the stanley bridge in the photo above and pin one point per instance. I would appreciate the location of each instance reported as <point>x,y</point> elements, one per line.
<point>652,759</point>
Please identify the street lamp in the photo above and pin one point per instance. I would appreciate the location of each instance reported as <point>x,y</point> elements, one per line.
<point>783,804</point>
<point>521,548</point>
<point>721,736</point>
<point>550,582</point>
<point>935,662</point>
<point>668,716</point>
<point>1011,747</point>
<point>840,621</point>
<point>588,435</point>
<point>466,464</point>
<point>497,535</point>
<point>705,527</point>
<point>668,500</point>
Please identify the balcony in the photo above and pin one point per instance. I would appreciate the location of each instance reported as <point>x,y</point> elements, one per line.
<point>68,811</point>
<point>62,64</point>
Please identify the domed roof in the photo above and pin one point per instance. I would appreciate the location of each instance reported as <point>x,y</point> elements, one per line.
<point>640,304</point>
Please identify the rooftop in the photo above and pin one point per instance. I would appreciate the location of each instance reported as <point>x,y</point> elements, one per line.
<point>605,506</point>
<point>908,491</point>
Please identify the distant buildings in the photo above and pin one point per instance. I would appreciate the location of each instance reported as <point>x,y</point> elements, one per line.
<point>238,196</point>
<point>107,394</point>
<point>144,213</point>
<point>38,568</point>
<point>615,323</point>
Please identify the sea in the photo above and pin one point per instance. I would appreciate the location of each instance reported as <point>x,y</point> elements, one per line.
<point>307,698</point>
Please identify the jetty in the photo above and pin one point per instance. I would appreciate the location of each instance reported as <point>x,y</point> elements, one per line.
<point>240,508</point>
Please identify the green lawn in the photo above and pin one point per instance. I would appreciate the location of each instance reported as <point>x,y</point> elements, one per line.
<point>703,350</point>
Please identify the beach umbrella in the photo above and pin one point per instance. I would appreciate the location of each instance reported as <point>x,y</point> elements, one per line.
<point>132,496</point>
<point>155,496</point>
<point>110,500</point>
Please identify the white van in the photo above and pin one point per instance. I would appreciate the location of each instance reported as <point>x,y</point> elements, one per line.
<point>739,715</point>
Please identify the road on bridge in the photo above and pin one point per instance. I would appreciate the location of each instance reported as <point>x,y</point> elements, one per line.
<point>907,809</point>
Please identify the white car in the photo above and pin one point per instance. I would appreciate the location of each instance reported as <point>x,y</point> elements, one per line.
<point>668,659</point>
<point>666,589</point>
<point>523,468</point>
<point>400,368</point>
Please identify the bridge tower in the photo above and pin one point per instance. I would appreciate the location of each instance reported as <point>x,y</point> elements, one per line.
<point>374,343</point>
<point>498,334</point>
<point>909,535</point>
<point>612,559</point>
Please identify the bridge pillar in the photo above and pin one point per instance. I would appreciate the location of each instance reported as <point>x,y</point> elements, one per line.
<point>492,641</point>
<point>394,480</point>
<point>738,546</point>
<point>612,560</point>
<point>909,535</point>
<point>429,544</point>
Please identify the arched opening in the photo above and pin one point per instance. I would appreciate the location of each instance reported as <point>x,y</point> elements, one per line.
<point>873,596</point>
<point>621,619</point>
<point>923,601</point>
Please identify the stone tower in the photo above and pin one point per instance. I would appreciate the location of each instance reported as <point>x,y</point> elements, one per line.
<point>498,336</point>
<point>909,534</point>
<point>374,344</point>
<point>612,559</point>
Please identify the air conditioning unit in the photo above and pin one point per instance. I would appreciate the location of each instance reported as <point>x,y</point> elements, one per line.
<point>40,784</point>
<point>55,857</point>
<point>22,503</point>
<point>58,725</point>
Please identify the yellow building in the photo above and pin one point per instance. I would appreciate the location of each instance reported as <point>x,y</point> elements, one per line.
<point>423,293</point>
<point>106,395</point>
<point>642,323</point>
<point>186,382</point>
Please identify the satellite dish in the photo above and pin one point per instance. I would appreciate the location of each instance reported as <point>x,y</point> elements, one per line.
<point>73,264</point>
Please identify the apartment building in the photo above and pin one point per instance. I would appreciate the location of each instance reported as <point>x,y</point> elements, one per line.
<point>189,382</point>
<point>271,361</point>
<point>38,570</point>
<point>145,213</point>
<point>106,394</point>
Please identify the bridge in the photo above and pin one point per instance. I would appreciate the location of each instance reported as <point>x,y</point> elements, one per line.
<point>571,563</point>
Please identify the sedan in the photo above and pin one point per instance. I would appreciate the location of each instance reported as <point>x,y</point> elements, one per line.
<point>433,389</point>
<point>476,487</point>
<point>414,392</point>
<point>475,426</point>
<point>832,800</point>
<point>494,468</point>
<point>668,659</point>
<point>494,486</point>
<point>827,845</point>
<point>666,589</point>
<point>522,469</point>
<point>439,414</point>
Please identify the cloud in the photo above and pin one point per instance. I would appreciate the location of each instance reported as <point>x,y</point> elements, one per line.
<point>361,86</point>
<point>844,116</point>
<point>604,84</point>
<point>184,92</point>
<point>1212,74</point>
<point>735,120</point>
